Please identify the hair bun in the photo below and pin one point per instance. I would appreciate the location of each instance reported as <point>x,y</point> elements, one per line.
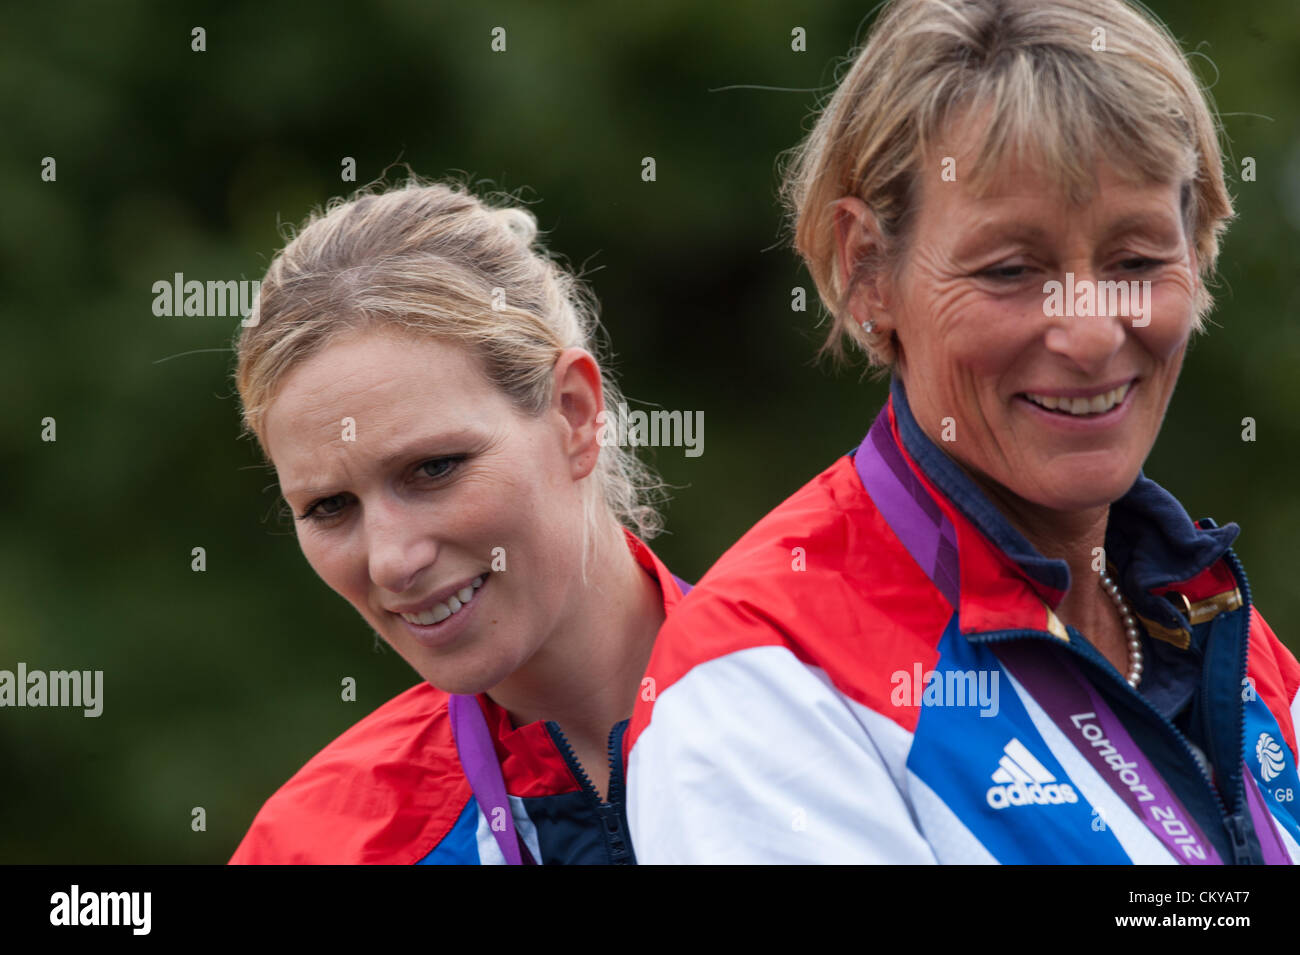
<point>519,222</point>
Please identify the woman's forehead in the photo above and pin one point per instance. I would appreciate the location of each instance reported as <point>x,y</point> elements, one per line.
<point>1006,177</point>
<point>1001,152</point>
<point>382,383</point>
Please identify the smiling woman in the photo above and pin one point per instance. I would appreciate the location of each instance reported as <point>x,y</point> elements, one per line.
<point>422,380</point>
<point>995,527</point>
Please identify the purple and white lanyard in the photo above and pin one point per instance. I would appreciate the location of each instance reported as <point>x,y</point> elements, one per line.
<point>478,758</point>
<point>1053,680</point>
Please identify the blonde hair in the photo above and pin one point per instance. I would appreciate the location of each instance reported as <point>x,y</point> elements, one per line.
<point>1032,65</point>
<point>434,260</point>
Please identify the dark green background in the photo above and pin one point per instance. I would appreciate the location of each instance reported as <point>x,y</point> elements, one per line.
<point>219,685</point>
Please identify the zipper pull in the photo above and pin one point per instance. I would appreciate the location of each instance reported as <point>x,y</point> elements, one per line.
<point>1238,834</point>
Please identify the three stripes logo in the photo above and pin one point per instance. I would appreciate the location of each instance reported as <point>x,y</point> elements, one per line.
<point>1021,780</point>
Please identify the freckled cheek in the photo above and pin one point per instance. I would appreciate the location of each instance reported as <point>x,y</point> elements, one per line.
<point>544,519</point>
<point>1172,313</point>
<point>980,336</point>
<point>538,523</point>
<point>493,510</point>
<point>340,564</point>
<point>480,525</point>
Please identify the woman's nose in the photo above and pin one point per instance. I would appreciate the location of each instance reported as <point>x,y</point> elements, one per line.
<point>1088,330</point>
<point>399,547</point>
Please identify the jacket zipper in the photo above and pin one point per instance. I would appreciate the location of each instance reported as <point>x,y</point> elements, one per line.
<point>1235,824</point>
<point>571,760</point>
<point>617,841</point>
<point>616,763</point>
<point>617,836</point>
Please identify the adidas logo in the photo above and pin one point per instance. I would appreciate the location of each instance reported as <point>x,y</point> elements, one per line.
<point>1022,781</point>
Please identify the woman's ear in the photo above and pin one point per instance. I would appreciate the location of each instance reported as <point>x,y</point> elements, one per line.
<point>859,246</point>
<point>579,400</point>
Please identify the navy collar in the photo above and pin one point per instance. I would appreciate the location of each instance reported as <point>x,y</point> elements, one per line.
<point>1150,538</point>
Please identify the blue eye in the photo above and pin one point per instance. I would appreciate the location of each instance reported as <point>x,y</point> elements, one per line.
<point>445,465</point>
<point>320,511</point>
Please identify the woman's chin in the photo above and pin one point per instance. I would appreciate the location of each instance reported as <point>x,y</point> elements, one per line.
<point>465,680</point>
<point>1066,486</point>
<point>1081,494</point>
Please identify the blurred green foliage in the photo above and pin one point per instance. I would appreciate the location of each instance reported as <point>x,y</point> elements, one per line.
<point>219,685</point>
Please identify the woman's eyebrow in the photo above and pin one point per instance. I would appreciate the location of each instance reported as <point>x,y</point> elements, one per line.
<point>426,446</point>
<point>1159,225</point>
<point>995,230</point>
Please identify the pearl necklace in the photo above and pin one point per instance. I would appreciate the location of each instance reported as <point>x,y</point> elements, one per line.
<point>1130,630</point>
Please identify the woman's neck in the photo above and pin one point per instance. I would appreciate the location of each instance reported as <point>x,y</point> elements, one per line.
<point>1078,538</point>
<point>587,673</point>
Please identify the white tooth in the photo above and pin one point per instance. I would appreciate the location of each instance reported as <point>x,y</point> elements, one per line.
<point>436,614</point>
<point>1082,406</point>
<point>454,604</point>
<point>465,594</point>
<point>478,582</point>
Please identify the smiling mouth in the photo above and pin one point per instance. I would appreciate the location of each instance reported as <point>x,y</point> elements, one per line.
<point>442,611</point>
<point>1081,407</point>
